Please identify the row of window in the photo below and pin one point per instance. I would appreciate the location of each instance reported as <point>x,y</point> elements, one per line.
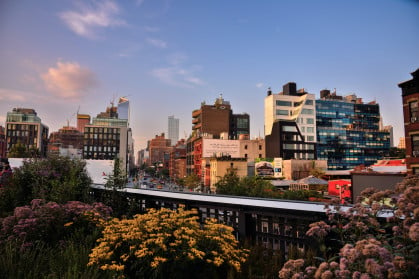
<point>102,136</point>
<point>100,148</point>
<point>283,103</point>
<point>101,130</point>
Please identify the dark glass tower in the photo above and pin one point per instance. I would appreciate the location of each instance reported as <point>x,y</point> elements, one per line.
<point>348,132</point>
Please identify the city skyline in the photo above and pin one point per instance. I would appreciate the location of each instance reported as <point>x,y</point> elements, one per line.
<point>167,57</point>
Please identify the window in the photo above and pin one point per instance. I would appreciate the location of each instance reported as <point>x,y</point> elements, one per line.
<point>310,130</point>
<point>307,111</point>
<point>415,146</point>
<point>309,102</point>
<point>296,104</point>
<point>281,112</point>
<point>310,121</point>
<point>413,110</point>
<point>245,155</point>
<point>245,147</point>
<point>260,147</point>
<point>283,103</point>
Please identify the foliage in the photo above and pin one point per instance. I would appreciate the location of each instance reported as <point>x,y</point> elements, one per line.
<point>376,238</point>
<point>49,222</point>
<point>48,240</point>
<point>58,179</point>
<point>20,150</point>
<point>262,263</point>
<point>67,260</point>
<point>395,152</point>
<point>232,184</point>
<point>192,181</point>
<point>301,195</point>
<point>255,186</point>
<point>171,242</point>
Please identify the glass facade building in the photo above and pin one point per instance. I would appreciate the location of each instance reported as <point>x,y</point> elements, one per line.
<point>348,132</point>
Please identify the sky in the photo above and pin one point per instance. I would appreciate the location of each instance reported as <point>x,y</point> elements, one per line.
<point>169,56</point>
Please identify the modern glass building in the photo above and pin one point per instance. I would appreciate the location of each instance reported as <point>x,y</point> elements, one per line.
<point>349,133</point>
<point>123,109</point>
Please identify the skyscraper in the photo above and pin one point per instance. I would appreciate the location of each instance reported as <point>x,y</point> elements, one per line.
<point>173,129</point>
<point>123,109</point>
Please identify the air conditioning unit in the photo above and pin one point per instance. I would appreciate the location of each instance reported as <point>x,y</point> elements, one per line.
<point>413,119</point>
<point>415,153</point>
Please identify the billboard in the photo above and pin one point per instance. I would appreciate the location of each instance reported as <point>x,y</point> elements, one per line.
<point>268,167</point>
<point>219,147</point>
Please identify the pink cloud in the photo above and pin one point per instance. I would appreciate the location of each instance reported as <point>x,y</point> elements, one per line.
<point>68,80</point>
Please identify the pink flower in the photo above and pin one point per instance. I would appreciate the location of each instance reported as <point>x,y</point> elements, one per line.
<point>414,232</point>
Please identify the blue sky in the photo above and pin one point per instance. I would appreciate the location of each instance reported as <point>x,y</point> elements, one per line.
<point>169,56</point>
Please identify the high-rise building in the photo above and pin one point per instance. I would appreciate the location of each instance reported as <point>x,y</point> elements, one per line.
<point>109,137</point>
<point>82,121</point>
<point>410,97</point>
<point>173,129</point>
<point>159,151</point>
<point>349,131</point>
<point>123,109</point>
<point>290,123</point>
<point>23,126</point>
<point>212,119</point>
<point>215,121</point>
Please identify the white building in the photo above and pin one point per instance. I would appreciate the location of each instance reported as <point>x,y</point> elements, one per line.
<point>290,123</point>
<point>173,130</point>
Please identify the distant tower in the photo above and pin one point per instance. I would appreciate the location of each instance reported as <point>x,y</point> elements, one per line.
<point>173,129</point>
<point>82,120</point>
<point>123,109</point>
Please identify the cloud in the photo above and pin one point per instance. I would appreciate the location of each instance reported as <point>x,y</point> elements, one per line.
<point>151,29</point>
<point>19,98</point>
<point>156,42</point>
<point>68,80</point>
<point>177,77</point>
<point>259,85</point>
<point>85,21</point>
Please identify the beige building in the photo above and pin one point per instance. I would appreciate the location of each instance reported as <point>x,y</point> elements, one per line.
<point>298,169</point>
<point>219,166</point>
<point>252,149</point>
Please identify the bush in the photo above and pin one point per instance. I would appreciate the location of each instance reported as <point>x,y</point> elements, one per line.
<point>164,242</point>
<point>376,238</point>
<point>58,179</point>
<point>50,222</point>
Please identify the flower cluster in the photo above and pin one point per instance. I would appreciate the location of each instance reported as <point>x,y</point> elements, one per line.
<point>377,238</point>
<point>165,239</point>
<point>49,221</point>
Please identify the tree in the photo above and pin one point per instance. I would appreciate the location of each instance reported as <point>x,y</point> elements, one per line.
<point>58,179</point>
<point>192,181</point>
<point>113,196</point>
<point>165,241</point>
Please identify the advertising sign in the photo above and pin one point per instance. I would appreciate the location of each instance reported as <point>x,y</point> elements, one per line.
<point>268,167</point>
<point>211,147</point>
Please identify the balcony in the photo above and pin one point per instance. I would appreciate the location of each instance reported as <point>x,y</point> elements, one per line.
<point>196,113</point>
<point>197,126</point>
<point>195,121</point>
